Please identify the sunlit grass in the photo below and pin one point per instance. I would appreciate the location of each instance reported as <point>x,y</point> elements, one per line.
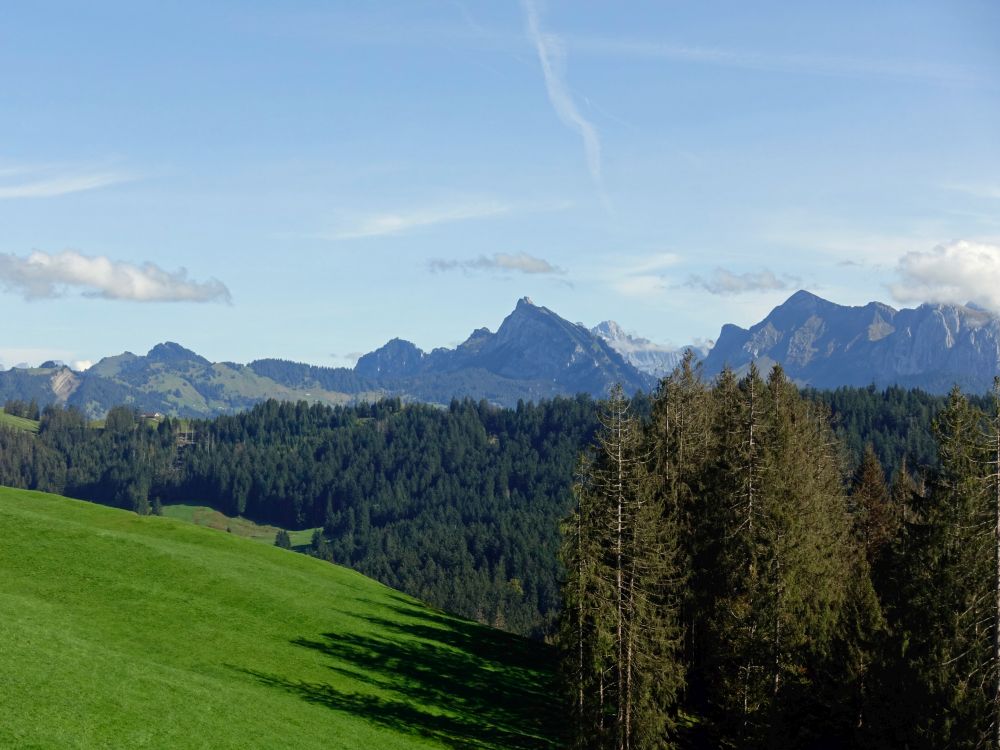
<point>127,631</point>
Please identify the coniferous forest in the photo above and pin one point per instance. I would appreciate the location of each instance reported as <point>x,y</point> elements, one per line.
<point>731,582</point>
<point>734,563</point>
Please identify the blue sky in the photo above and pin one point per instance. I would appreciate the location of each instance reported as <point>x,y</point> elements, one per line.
<point>309,179</point>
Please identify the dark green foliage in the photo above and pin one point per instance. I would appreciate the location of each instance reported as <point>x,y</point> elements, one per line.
<point>281,539</point>
<point>944,613</point>
<point>27,410</point>
<point>895,422</point>
<point>751,553</point>
<point>620,632</point>
<point>449,504</point>
<point>298,375</point>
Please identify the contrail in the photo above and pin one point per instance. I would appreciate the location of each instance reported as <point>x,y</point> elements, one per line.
<point>552,56</point>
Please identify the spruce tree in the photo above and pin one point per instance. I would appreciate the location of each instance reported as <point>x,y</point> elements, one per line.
<point>876,520</point>
<point>785,560</point>
<point>620,632</point>
<point>949,597</point>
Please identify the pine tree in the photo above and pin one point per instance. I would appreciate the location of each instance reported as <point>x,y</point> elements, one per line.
<point>949,597</point>
<point>620,633</point>
<point>876,520</point>
<point>785,559</point>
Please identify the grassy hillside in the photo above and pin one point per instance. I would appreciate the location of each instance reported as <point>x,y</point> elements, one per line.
<point>127,631</point>
<point>19,423</point>
<point>214,519</point>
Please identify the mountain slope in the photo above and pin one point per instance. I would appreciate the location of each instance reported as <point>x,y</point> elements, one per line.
<point>826,345</point>
<point>534,354</point>
<point>128,631</point>
<point>653,359</point>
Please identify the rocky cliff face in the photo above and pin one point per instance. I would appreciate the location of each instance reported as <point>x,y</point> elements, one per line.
<point>653,359</point>
<point>534,353</point>
<point>826,345</point>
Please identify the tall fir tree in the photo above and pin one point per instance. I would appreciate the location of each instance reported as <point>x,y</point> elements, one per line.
<point>620,631</point>
<point>949,616</point>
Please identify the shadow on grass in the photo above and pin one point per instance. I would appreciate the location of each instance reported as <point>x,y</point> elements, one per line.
<point>441,678</point>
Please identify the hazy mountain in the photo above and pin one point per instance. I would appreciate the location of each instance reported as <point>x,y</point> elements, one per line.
<point>826,345</point>
<point>653,359</point>
<point>534,354</point>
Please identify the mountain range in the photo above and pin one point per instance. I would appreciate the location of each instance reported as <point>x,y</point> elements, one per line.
<point>825,345</point>
<point>537,354</point>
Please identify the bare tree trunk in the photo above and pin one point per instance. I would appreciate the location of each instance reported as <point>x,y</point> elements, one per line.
<point>579,622</point>
<point>996,568</point>
<point>777,625</point>
<point>619,544</point>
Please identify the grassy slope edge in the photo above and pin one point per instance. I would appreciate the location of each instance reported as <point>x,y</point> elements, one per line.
<point>18,423</point>
<point>125,631</point>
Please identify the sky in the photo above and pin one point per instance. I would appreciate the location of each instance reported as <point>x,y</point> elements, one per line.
<point>307,180</point>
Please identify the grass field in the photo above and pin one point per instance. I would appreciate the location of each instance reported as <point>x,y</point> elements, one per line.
<point>19,423</point>
<point>125,631</point>
<point>213,519</point>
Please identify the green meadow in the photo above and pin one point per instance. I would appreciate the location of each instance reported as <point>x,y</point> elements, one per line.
<point>214,519</point>
<point>19,423</point>
<point>124,631</point>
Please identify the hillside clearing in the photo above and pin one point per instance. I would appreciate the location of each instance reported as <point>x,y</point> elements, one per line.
<point>127,631</point>
<point>18,423</point>
<point>202,515</point>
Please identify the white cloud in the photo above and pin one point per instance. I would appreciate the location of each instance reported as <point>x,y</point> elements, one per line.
<point>521,262</point>
<point>552,56</point>
<point>725,282</point>
<point>50,187</point>
<point>380,225</point>
<point>79,365</point>
<point>959,272</point>
<point>41,275</point>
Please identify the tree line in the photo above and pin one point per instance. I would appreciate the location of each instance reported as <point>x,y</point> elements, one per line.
<point>19,408</point>
<point>734,579</point>
<point>458,505</point>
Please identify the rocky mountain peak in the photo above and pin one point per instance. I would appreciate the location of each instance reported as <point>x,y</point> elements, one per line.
<point>826,345</point>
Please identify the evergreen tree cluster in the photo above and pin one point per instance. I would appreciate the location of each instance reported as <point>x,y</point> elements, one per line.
<point>459,506</point>
<point>18,408</point>
<point>730,583</point>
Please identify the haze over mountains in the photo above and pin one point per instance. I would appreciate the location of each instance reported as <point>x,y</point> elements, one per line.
<point>537,354</point>
<point>826,345</point>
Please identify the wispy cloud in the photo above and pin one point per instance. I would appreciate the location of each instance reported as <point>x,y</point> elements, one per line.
<point>977,190</point>
<point>958,272</point>
<point>31,184</point>
<point>815,64</point>
<point>643,276</point>
<point>501,262</point>
<point>552,56</point>
<point>725,282</point>
<point>384,224</point>
<point>43,275</point>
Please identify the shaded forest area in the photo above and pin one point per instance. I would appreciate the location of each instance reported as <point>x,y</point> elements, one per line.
<point>732,582</point>
<point>459,506</point>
